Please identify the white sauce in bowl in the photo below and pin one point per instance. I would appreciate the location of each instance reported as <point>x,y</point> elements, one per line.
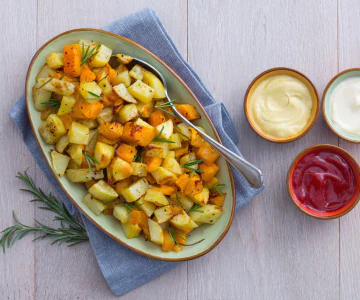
<point>345,105</point>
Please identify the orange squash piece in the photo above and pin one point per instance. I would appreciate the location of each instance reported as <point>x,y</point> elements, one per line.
<point>125,152</point>
<point>167,189</point>
<point>182,182</point>
<point>135,217</point>
<point>213,181</point>
<point>153,163</point>
<point>217,199</point>
<point>111,130</point>
<point>108,211</point>
<point>67,120</point>
<point>188,111</point>
<point>72,60</point>
<point>196,139</point>
<point>86,110</point>
<point>183,150</point>
<point>208,171</point>
<point>207,152</point>
<point>139,135</point>
<point>176,209</point>
<point>150,178</point>
<point>111,74</point>
<point>168,242</point>
<point>120,185</point>
<point>86,74</point>
<point>157,117</point>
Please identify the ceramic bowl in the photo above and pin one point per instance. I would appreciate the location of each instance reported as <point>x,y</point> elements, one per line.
<point>212,234</point>
<point>282,71</point>
<point>326,105</point>
<point>318,214</point>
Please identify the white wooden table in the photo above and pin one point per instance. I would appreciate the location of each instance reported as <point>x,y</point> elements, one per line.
<point>272,250</point>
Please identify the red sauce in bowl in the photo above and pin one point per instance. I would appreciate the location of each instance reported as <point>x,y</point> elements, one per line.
<point>324,181</point>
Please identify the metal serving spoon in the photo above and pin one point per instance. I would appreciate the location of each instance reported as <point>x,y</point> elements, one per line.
<point>252,174</point>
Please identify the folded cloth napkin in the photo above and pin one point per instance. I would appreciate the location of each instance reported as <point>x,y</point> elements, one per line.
<point>124,269</point>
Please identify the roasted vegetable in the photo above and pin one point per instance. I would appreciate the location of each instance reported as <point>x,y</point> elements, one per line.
<point>52,129</point>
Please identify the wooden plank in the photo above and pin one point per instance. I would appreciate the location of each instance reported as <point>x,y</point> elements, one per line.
<point>272,250</point>
<point>349,43</point>
<point>18,23</point>
<point>63,273</point>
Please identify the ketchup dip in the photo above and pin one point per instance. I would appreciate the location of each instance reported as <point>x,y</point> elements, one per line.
<point>324,181</point>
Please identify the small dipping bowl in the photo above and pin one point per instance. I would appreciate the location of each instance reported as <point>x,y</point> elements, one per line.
<point>274,72</point>
<point>325,215</point>
<point>326,105</point>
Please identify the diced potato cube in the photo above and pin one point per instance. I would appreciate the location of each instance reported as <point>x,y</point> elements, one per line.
<point>105,86</point>
<point>171,154</point>
<point>124,59</point>
<point>157,149</point>
<point>183,222</point>
<point>145,109</point>
<point>141,91</point>
<point>137,72</point>
<point>163,176</point>
<point>127,113</point>
<point>62,143</point>
<point>153,81</point>
<point>83,175</point>
<point>60,162</point>
<point>78,134</point>
<point>55,60</point>
<point>123,76</point>
<point>101,58</point>
<point>96,206</point>
<point>175,138</point>
<point>121,213</point>
<point>105,116</point>
<point>186,201</point>
<point>40,96</point>
<point>163,214</point>
<point>73,165</point>
<point>119,169</point>
<point>166,129</point>
<point>102,191</point>
<point>85,44</point>
<point>135,190</point>
<point>131,230</point>
<point>172,165</point>
<point>57,86</point>
<point>104,153</point>
<point>156,232</point>
<point>52,129</point>
<point>201,198</point>
<point>209,214</point>
<point>90,91</point>
<point>123,93</point>
<point>140,169</point>
<point>67,105</point>
<point>189,158</point>
<point>76,153</point>
<point>147,207</point>
<point>93,137</point>
<point>155,196</point>
<point>184,132</point>
<point>89,123</point>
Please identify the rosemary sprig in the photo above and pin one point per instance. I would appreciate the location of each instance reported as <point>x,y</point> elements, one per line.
<point>179,132</point>
<point>102,79</point>
<point>90,160</point>
<point>157,138</point>
<point>62,77</point>
<point>45,83</point>
<point>217,186</point>
<point>55,104</point>
<point>189,165</point>
<point>139,154</point>
<point>177,197</point>
<point>87,55</point>
<point>195,208</point>
<point>71,231</point>
<point>182,236</point>
<point>96,97</point>
<point>130,206</point>
<point>162,107</point>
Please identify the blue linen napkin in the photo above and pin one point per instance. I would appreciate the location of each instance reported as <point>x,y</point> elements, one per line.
<point>122,268</point>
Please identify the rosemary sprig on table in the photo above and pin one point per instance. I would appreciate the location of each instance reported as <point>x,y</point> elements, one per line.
<point>71,230</point>
<point>217,186</point>
<point>162,107</point>
<point>87,55</point>
<point>157,138</point>
<point>90,160</point>
<point>45,83</point>
<point>182,236</point>
<point>96,97</point>
<point>189,165</point>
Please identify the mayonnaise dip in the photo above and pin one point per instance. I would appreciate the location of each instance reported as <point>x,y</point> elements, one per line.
<point>345,105</point>
<point>281,106</point>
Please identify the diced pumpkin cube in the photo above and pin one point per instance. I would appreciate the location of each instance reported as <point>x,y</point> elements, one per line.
<point>101,58</point>
<point>52,129</point>
<point>121,185</point>
<point>78,134</point>
<point>196,139</point>
<point>168,242</point>
<point>183,222</point>
<point>206,214</point>
<point>135,190</point>
<point>156,232</point>
<point>163,176</point>
<point>217,199</point>
<point>157,117</point>
<point>207,153</point>
<point>155,196</point>
<point>111,130</point>
<point>72,60</point>
<point>188,111</point>
<point>86,74</point>
<point>138,133</point>
<point>123,93</point>
<point>59,162</point>
<point>208,171</point>
<point>103,154</point>
<point>96,206</point>
<point>125,152</point>
<point>102,191</point>
<point>127,113</point>
<point>87,109</point>
<point>141,91</point>
<point>153,163</point>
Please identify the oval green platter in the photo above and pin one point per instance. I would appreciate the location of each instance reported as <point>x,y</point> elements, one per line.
<point>212,234</point>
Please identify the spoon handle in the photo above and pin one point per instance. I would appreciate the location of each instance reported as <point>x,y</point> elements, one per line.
<point>252,174</point>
